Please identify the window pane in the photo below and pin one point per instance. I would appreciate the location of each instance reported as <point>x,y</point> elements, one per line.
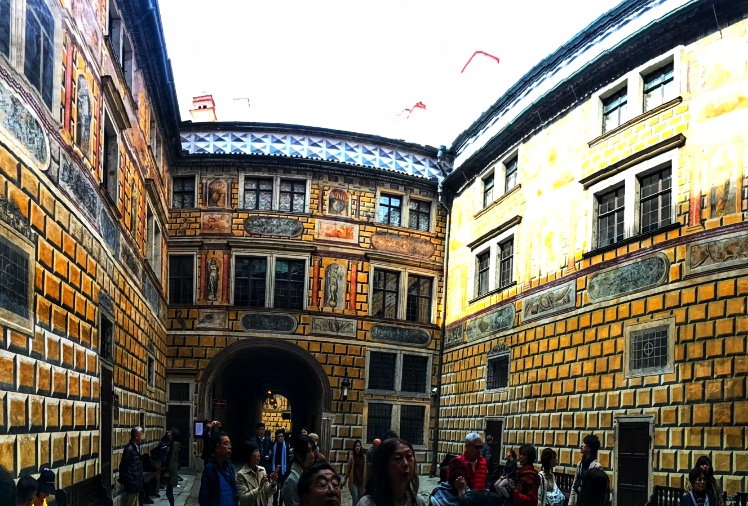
<point>411,423</point>
<point>655,200</point>
<point>511,174</point>
<point>385,294</point>
<point>415,372</point>
<point>614,110</point>
<point>506,263</point>
<point>610,226</point>
<point>483,263</point>
<point>389,209</point>
<point>497,375</point>
<point>419,299</point>
<point>179,392</point>
<point>488,190</point>
<point>250,281</point>
<point>258,194</point>
<point>5,28</point>
<point>649,350</point>
<point>379,421</point>
<point>292,195</point>
<point>181,281</point>
<point>14,288</point>
<point>382,371</point>
<point>658,87</point>
<point>183,192</point>
<point>289,284</point>
<point>39,48</point>
<point>419,215</point>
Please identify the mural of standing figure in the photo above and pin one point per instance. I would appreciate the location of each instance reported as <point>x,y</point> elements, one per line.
<point>334,285</point>
<point>212,279</point>
<point>83,133</point>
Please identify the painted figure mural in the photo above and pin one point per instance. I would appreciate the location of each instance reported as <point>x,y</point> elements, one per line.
<point>83,128</point>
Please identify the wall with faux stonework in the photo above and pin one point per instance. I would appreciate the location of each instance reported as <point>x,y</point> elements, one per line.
<point>568,355</point>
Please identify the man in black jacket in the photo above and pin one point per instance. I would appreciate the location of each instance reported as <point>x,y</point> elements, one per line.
<point>131,468</point>
<point>265,444</point>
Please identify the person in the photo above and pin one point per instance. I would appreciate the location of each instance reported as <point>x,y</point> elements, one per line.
<point>171,464</point>
<point>318,457</point>
<point>510,468</point>
<point>355,472</point>
<point>131,468</point>
<point>305,432</point>
<point>696,491</point>
<point>45,486</point>
<point>549,494</point>
<point>595,489</point>
<point>393,480</point>
<point>712,488</point>
<point>255,486</point>
<point>477,466</point>
<point>589,448</point>
<point>448,493</point>
<point>7,487</point>
<point>319,486</point>
<point>303,454</point>
<point>218,482</point>
<point>210,429</point>
<point>528,481</point>
<point>280,460</point>
<point>486,452</point>
<point>370,457</point>
<point>25,491</point>
<point>264,444</point>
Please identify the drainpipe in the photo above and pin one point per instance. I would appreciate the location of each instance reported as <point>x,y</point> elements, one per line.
<point>437,398</point>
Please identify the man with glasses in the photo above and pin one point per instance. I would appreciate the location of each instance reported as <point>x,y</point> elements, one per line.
<point>476,464</point>
<point>319,486</point>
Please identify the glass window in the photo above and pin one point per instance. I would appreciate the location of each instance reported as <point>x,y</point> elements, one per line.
<point>411,423</point>
<point>488,190</point>
<point>183,192</point>
<point>614,110</point>
<point>106,338</point>
<point>654,194</point>
<point>610,225</point>
<point>179,392</point>
<point>390,209</point>
<point>250,276</point>
<point>38,64</point>
<point>379,420</point>
<point>151,371</point>
<point>292,196</point>
<point>415,372</point>
<point>258,194</point>
<point>498,372</point>
<point>510,174</point>
<point>419,216</point>
<point>14,289</point>
<point>506,262</point>
<point>649,349</point>
<point>483,264</point>
<point>658,87</point>
<point>5,28</point>
<point>110,169</point>
<point>382,371</point>
<point>419,299</point>
<point>289,284</point>
<point>181,279</point>
<point>385,294</point>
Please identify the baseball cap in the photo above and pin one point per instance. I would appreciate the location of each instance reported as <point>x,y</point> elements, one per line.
<point>46,482</point>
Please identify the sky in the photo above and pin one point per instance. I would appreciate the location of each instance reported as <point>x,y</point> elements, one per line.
<point>361,66</point>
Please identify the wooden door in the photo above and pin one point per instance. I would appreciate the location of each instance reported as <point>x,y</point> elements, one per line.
<point>179,416</point>
<point>495,429</point>
<point>633,463</point>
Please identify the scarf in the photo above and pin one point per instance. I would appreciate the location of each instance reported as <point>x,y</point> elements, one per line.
<point>283,457</point>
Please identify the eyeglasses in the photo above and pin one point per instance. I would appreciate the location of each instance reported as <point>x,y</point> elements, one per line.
<point>323,484</point>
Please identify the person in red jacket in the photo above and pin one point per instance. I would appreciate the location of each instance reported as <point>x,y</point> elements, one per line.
<point>476,464</point>
<point>528,480</point>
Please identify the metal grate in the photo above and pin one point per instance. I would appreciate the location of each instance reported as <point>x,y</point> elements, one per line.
<point>648,349</point>
<point>382,370</point>
<point>415,372</point>
<point>14,269</point>
<point>411,423</point>
<point>497,375</point>
<point>379,420</point>
<point>179,392</point>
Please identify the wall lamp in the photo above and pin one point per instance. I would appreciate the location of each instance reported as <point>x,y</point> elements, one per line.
<point>345,384</point>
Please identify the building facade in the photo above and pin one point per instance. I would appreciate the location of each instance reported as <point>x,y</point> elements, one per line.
<point>597,278</point>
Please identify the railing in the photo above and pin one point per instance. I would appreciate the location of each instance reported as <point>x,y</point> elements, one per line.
<point>564,482</point>
<point>741,499</point>
<point>667,496</point>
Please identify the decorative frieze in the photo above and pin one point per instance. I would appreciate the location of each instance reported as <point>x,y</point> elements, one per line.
<point>403,335</point>
<point>714,254</point>
<point>336,231</point>
<point>262,225</point>
<point>23,126</point>
<point>402,244</point>
<point>11,215</point>
<point>110,232</point>
<point>212,319</point>
<point>339,327</point>
<point>490,323</point>
<point>73,180</point>
<point>549,301</point>
<point>629,278</point>
<point>269,322</point>
<point>216,223</point>
<point>453,336</point>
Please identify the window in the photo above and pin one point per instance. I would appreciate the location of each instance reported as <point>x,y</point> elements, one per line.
<point>510,172</point>
<point>419,215</point>
<point>15,288</point>
<point>649,347</point>
<point>121,45</point>
<point>506,262</point>
<point>258,194</point>
<point>38,58</point>
<point>153,242</point>
<point>5,28</point>
<point>183,192</point>
<point>411,423</point>
<point>610,216</point>
<point>493,268</point>
<point>397,372</point>
<point>654,194</point>
<point>659,87</point>
<point>151,371</point>
<point>292,196</point>
<point>249,281</point>
<point>179,392</point>
<point>390,209</point>
<point>488,184</point>
<point>483,265</point>
<point>385,294</point>
<point>420,294</point>
<point>408,420</point>
<point>379,420</point>
<point>106,337</point>
<point>500,179</point>
<point>110,169</point>
<point>290,276</point>
<point>614,110</point>
<point>267,280</point>
<point>497,368</point>
<point>181,279</point>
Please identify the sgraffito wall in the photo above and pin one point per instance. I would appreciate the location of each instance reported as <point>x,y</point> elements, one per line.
<point>576,308</point>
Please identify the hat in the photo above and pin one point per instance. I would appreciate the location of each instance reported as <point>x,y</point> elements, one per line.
<point>456,468</point>
<point>593,442</point>
<point>46,482</point>
<point>314,437</point>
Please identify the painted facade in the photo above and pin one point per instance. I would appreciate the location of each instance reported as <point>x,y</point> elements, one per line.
<point>596,277</point>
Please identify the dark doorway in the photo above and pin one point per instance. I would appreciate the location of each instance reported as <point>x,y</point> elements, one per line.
<point>495,429</point>
<point>633,462</point>
<point>106,397</point>
<point>179,416</point>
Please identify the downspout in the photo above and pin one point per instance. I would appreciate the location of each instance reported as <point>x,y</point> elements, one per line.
<point>438,396</point>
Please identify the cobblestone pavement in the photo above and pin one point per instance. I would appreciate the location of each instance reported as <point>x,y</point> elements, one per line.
<point>182,492</point>
<point>191,487</point>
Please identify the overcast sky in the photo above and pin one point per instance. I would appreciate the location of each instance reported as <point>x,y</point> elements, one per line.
<point>358,65</point>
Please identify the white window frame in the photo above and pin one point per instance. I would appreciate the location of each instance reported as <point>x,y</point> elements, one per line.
<point>271,257</point>
<point>276,191</point>
<point>402,288</point>
<point>154,241</point>
<point>633,81</point>
<point>196,192</point>
<point>630,179</point>
<point>498,171</point>
<point>399,373</point>
<point>492,246</point>
<point>194,274</point>
<point>395,417</point>
<point>668,322</point>
<point>405,209</point>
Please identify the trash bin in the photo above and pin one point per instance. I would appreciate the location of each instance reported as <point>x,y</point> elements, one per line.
<point>444,465</point>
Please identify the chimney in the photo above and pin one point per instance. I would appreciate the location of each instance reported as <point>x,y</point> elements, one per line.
<point>203,108</point>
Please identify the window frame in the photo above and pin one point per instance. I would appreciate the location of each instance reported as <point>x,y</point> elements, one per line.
<point>276,179</point>
<point>402,300</point>
<point>121,43</point>
<point>665,323</point>
<point>498,353</point>
<point>492,248</point>
<point>405,209</point>
<point>105,315</point>
<point>8,317</point>
<point>150,373</point>
<point>630,179</point>
<point>194,196</point>
<point>399,373</point>
<point>271,259</point>
<point>154,241</point>
<point>498,174</point>
<point>395,418</point>
<point>110,183</point>
<point>194,277</point>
